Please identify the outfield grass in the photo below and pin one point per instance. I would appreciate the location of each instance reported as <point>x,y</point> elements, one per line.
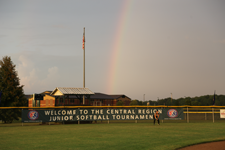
<point>167,136</point>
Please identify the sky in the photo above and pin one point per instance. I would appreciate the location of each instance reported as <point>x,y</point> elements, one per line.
<point>144,49</point>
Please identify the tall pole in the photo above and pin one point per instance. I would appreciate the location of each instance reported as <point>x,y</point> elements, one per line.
<point>84,65</point>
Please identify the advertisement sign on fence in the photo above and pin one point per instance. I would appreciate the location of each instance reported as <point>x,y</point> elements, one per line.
<point>173,114</point>
<point>99,114</point>
<point>222,113</point>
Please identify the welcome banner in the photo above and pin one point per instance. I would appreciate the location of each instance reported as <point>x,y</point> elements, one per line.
<point>58,115</point>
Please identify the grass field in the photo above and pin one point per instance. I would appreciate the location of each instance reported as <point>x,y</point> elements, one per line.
<point>167,136</point>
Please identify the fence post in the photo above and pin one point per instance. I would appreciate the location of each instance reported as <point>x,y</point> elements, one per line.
<point>213,114</point>
<point>187,116</point>
<point>21,120</point>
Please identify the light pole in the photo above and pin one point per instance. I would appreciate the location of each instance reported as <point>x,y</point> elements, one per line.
<point>84,65</point>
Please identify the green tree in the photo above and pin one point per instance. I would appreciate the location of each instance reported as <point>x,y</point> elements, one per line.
<point>195,103</point>
<point>120,103</point>
<point>188,102</point>
<point>133,103</point>
<point>12,91</point>
<point>140,102</point>
<point>176,103</point>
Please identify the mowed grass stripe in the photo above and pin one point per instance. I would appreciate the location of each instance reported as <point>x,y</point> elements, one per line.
<point>167,136</point>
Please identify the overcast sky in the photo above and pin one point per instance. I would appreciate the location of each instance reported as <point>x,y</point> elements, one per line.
<point>133,47</point>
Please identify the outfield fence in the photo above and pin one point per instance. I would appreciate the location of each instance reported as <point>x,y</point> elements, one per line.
<point>189,114</point>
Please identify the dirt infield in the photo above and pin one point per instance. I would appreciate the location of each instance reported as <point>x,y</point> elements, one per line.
<point>220,145</point>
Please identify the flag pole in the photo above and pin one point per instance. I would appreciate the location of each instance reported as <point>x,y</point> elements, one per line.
<point>84,65</point>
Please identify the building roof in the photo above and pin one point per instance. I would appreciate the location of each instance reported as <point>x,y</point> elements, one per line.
<point>101,96</point>
<point>71,91</point>
<point>95,96</point>
<point>118,96</point>
<point>28,96</point>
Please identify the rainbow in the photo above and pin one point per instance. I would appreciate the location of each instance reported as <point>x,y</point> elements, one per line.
<point>117,44</point>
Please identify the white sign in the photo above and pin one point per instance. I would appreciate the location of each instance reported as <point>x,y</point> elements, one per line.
<point>222,113</point>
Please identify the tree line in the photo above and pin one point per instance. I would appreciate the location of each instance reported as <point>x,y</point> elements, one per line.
<point>206,100</point>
